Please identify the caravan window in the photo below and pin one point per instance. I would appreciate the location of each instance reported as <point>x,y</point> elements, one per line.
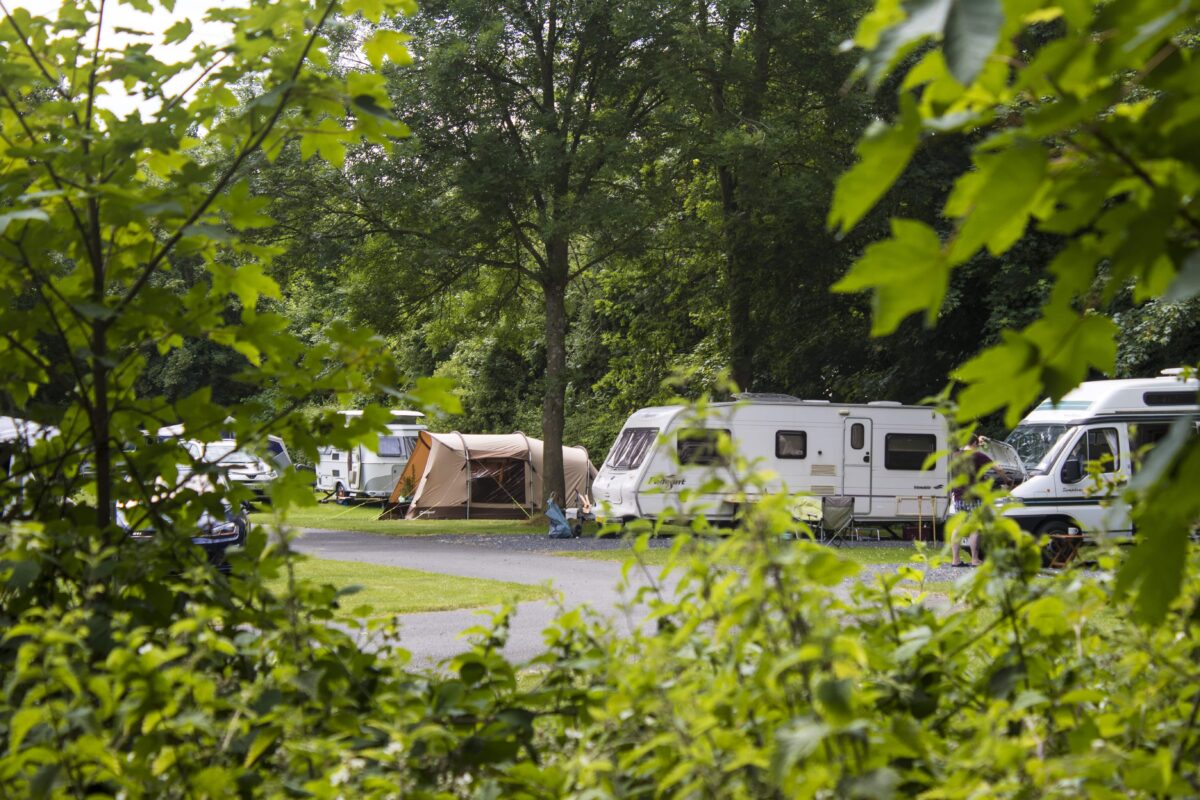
<point>497,480</point>
<point>1097,444</point>
<point>1145,436</point>
<point>908,451</point>
<point>791,444</point>
<point>395,446</point>
<point>858,435</point>
<point>631,447</point>
<point>1169,398</point>
<point>700,446</point>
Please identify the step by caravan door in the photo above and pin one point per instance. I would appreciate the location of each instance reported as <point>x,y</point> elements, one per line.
<point>856,463</point>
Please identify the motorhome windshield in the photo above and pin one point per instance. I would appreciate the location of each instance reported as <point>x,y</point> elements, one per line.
<point>631,447</point>
<point>1033,442</point>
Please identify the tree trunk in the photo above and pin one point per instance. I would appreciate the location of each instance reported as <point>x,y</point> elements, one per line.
<point>741,180</point>
<point>739,269</point>
<point>555,291</point>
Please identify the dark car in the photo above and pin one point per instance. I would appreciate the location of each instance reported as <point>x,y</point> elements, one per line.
<point>213,534</point>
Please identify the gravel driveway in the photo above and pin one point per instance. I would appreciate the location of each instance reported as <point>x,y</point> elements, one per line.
<point>519,558</point>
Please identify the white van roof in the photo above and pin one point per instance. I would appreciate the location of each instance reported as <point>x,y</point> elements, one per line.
<point>1167,393</point>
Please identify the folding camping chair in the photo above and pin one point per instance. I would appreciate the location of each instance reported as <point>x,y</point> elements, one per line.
<point>837,519</point>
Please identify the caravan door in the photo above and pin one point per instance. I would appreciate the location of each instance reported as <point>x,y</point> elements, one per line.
<point>856,463</point>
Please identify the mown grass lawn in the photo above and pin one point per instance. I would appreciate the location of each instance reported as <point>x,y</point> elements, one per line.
<point>395,590</point>
<point>365,519</point>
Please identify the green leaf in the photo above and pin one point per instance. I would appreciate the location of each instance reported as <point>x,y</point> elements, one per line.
<point>1003,375</point>
<point>883,152</point>
<point>372,10</point>
<point>908,273</point>
<point>995,201</point>
<point>387,44</point>
<point>1187,283</point>
<point>178,32</point>
<point>262,740</point>
<point>1154,571</point>
<point>923,18</point>
<point>797,741</point>
<point>22,213</point>
<point>971,32</point>
<point>21,723</point>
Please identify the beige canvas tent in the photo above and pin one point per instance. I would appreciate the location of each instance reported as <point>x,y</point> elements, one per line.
<point>457,476</point>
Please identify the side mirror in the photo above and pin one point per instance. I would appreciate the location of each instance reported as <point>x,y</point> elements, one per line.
<point>1072,471</point>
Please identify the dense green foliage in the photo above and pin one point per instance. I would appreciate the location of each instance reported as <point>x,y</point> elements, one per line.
<point>135,669</point>
<point>1081,136</point>
<point>699,246</point>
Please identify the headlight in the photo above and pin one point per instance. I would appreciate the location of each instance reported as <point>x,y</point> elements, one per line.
<point>223,529</point>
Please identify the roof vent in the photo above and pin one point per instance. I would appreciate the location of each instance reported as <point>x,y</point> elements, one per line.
<point>767,397</point>
<point>1172,371</point>
<point>884,403</point>
<point>816,402</point>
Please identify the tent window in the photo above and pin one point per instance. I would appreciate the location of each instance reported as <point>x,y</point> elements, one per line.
<point>700,446</point>
<point>631,447</point>
<point>907,451</point>
<point>497,480</point>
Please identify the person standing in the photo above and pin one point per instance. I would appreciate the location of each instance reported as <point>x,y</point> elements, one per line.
<point>968,463</point>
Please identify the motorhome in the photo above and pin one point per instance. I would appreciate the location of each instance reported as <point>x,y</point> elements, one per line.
<point>1107,422</point>
<point>363,472</point>
<point>876,453</point>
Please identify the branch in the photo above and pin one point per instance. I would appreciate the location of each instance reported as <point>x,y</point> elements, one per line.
<point>37,59</point>
<point>256,139</point>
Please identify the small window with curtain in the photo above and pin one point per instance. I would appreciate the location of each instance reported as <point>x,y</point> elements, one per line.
<point>700,446</point>
<point>791,444</point>
<point>858,436</point>
<point>908,451</point>
<point>1097,444</point>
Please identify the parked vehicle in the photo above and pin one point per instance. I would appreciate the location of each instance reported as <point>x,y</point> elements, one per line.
<point>363,472</point>
<point>1100,421</point>
<point>214,534</point>
<point>873,452</point>
<point>241,467</point>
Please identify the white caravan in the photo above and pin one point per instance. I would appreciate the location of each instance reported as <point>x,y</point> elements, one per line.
<point>361,472</point>
<point>1105,421</point>
<point>873,452</point>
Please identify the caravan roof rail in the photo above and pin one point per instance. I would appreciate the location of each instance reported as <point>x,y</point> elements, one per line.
<point>768,397</point>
